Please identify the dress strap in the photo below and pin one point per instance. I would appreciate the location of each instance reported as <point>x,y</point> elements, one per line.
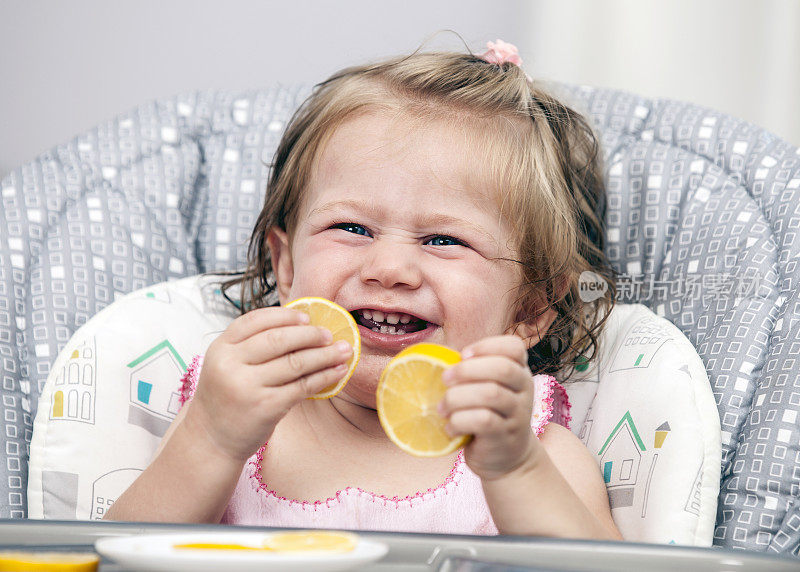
<point>189,379</point>
<point>550,403</point>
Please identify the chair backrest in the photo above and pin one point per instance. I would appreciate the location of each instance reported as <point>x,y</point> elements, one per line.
<point>702,215</point>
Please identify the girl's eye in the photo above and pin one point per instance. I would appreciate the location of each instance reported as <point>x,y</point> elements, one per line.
<point>352,227</point>
<point>444,240</point>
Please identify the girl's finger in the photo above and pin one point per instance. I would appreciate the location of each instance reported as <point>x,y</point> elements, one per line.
<point>511,347</point>
<point>267,345</point>
<point>294,366</point>
<point>500,369</point>
<point>262,319</point>
<point>489,395</point>
<point>475,422</point>
<point>314,383</point>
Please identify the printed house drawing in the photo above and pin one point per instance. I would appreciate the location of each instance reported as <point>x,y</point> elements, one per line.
<point>586,430</point>
<point>693,503</point>
<point>158,295</point>
<point>107,489</point>
<point>641,344</point>
<point>75,386</point>
<point>620,460</point>
<point>154,388</point>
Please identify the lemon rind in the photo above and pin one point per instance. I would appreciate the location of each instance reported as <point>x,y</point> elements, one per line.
<point>433,353</point>
<point>340,385</point>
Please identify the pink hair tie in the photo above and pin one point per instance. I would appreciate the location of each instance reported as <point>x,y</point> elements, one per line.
<point>501,52</point>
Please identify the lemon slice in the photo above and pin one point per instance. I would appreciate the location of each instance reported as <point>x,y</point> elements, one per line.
<point>216,546</point>
<point>408,393</point>
<point>341,324</point>
<point>312,541</point>
<point>49,561</point>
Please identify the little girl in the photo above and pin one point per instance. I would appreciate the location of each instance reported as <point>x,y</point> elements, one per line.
<point>438,197</point>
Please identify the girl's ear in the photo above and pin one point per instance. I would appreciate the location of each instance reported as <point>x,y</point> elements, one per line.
<point>282,266</point>
<point>532,332</point>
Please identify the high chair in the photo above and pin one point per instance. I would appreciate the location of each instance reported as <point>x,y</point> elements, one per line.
<point>702,215</point>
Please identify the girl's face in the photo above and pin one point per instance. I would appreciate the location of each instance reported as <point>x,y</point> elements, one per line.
<point>400,226</point>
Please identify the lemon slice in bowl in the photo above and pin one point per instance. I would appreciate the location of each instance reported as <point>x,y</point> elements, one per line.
<point>21,561</point>
<point>408,394</point>
<point>341,324</point>
<point>312,541</point>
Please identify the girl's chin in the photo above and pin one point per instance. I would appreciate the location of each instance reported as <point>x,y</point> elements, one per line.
<point>361,388</point>
<point>363,397</point>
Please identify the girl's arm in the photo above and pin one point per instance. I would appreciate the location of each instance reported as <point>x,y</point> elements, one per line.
<point>263,364</point>
<point>547,487</point>
<point>189,480</point>
<point>557,491</point>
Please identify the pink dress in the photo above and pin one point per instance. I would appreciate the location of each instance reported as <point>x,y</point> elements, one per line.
<point>456,506</point>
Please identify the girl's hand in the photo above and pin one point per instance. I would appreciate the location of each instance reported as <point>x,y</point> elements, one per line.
<point>264,363</point>
<point>491,397</point>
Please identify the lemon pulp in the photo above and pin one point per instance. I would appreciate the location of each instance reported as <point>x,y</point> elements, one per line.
<point>313,541</point>
<point>21,561</point>
<point>408,394</point>
<point>342,326</point>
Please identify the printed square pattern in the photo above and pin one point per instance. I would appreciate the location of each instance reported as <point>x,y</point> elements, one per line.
<point>703,212</point>
<point>704,208</point>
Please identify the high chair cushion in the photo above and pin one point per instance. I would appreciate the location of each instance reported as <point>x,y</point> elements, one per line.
<point>702,217</point>
<point>644,409</point>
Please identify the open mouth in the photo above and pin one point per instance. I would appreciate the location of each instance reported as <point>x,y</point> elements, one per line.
<point>392,323</point>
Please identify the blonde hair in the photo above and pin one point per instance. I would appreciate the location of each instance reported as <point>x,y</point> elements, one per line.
<point>545,162</point>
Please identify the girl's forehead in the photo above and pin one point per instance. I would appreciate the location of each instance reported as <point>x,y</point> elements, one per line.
<point>384,148</point>
<point>408,173</point>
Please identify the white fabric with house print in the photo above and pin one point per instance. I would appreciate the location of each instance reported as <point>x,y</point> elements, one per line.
<point>644,409</point>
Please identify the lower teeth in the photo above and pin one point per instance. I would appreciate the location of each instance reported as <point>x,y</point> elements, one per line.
<point>386,330</point>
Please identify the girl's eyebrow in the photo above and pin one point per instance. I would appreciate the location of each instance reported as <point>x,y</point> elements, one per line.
<point>421,220</point>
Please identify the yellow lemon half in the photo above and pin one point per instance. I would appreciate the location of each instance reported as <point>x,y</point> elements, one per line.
<point>341,324</point>
<point>20,561</point>
<point>312,541</point>
<point>408,393</point>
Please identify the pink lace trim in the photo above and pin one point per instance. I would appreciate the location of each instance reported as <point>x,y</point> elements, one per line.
<point>451,480</point>
<point>555,405</point>
<point>189,379</point>
<point>561,411</point>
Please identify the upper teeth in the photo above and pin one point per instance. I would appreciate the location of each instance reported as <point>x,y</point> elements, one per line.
<point>390,318</point>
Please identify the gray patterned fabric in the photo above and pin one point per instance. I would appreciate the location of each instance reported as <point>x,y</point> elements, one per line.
<point>703,212</point>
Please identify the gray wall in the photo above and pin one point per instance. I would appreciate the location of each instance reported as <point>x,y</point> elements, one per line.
<point>737,56</point>
<point>66,66</point>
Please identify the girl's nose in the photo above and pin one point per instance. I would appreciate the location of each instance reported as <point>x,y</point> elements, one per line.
<point>392,265</point>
